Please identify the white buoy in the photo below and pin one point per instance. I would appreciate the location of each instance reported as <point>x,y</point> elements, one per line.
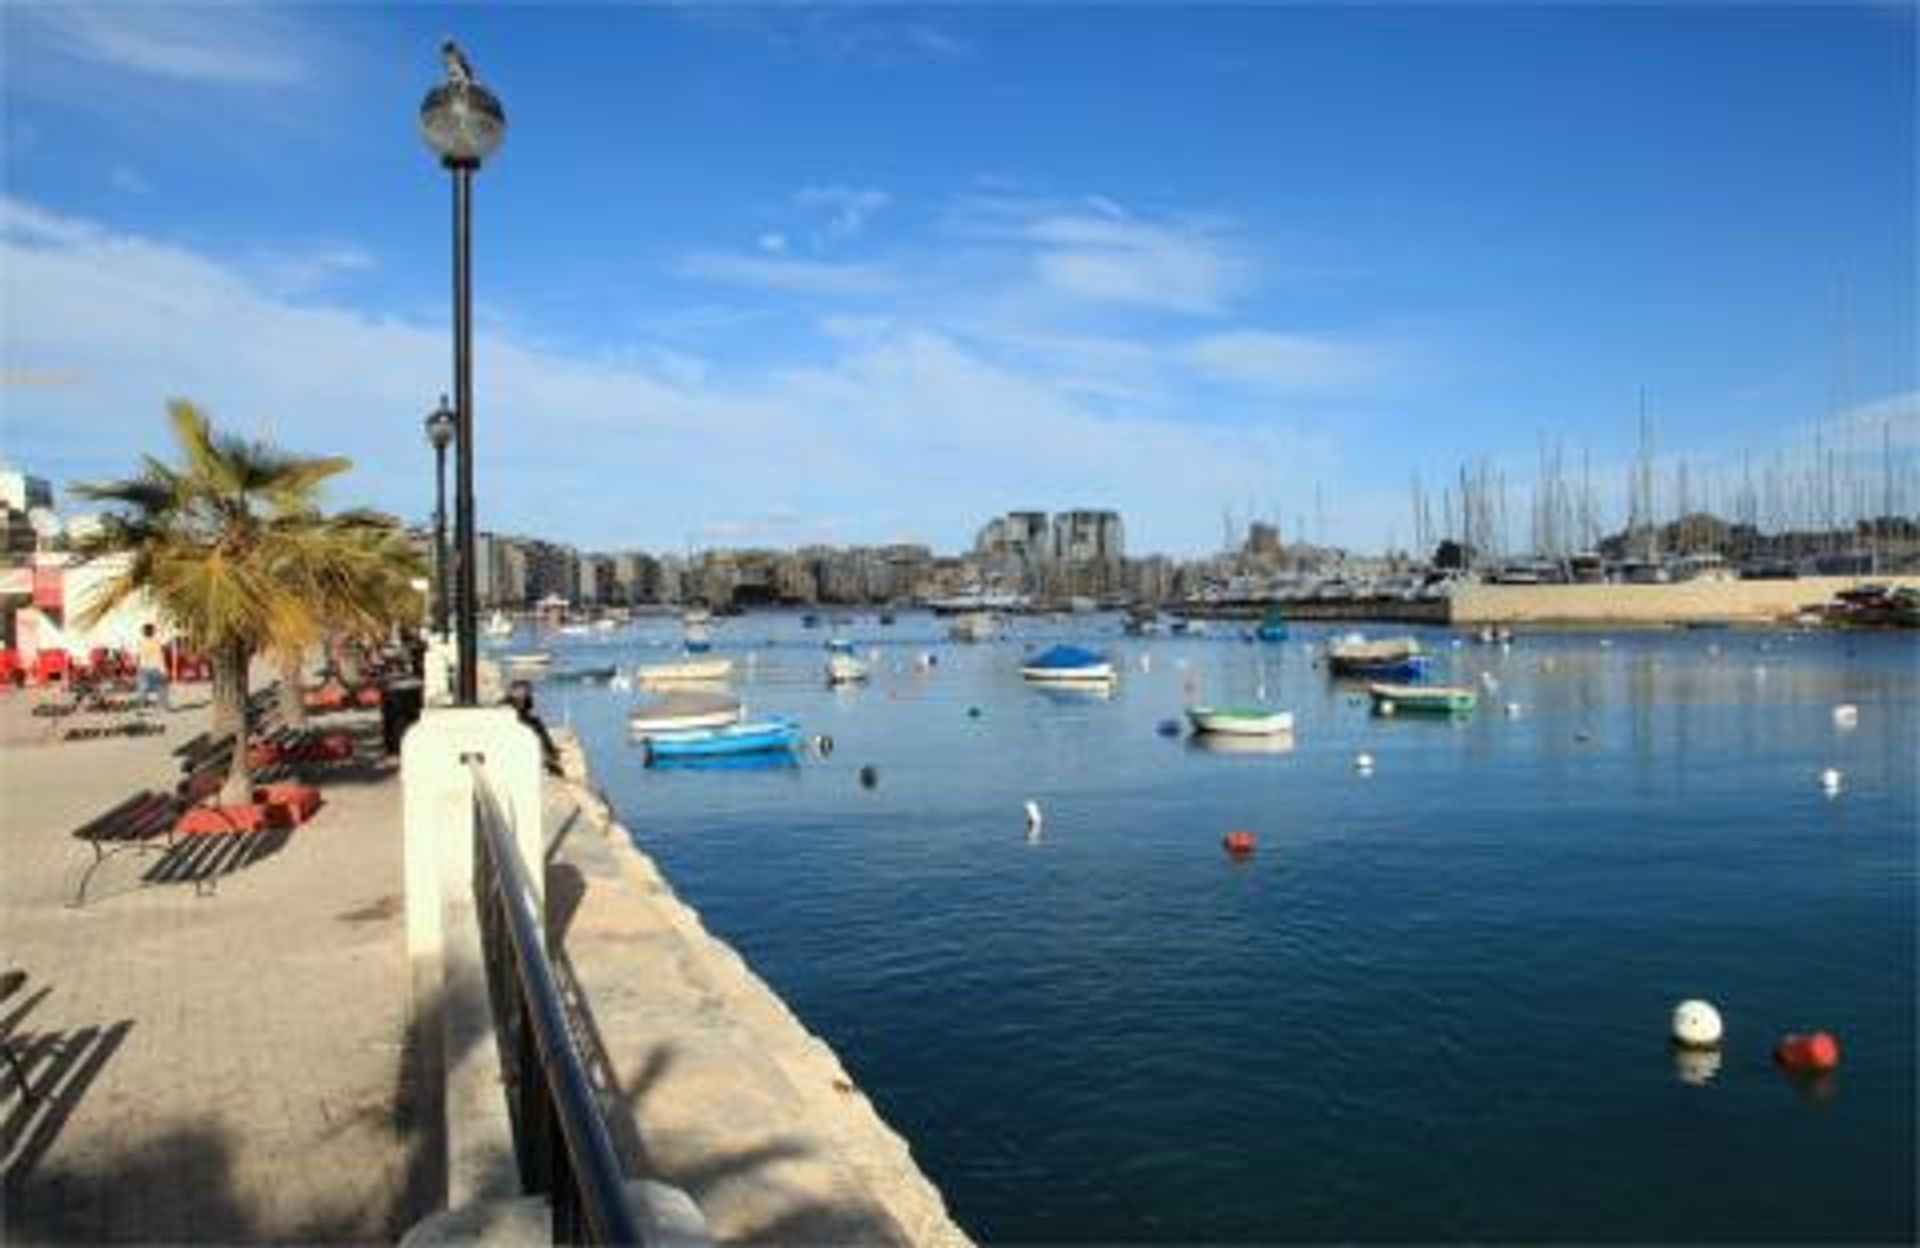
<point>1387,708</point>
<point>1606,643</point>
<point>1513,710</point>
<point>1034,820</point>
<point>1846,715</point>
<point>1830,780</point>
<point>1487,680</point>
<point>1363,762</point>
<point>1697,1025</point>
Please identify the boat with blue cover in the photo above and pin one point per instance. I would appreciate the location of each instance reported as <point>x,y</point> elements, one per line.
<point>1273,626</point>
<point>1397,658</point>
<point>1068,665</point>
<point>758,736</point>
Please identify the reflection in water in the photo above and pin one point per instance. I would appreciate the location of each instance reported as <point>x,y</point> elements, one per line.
<point>768,760</point>
<point>1224,743</point>
<point>1696,1067</point>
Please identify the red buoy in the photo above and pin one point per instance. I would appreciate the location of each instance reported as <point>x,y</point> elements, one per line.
<point>1811,1053</point>
<point>1239,844</point>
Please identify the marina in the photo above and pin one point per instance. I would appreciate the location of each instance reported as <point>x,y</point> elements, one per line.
<point>1470,945</point>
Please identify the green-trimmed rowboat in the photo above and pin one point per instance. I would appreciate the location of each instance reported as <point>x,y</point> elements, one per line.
<point>1422,699</point>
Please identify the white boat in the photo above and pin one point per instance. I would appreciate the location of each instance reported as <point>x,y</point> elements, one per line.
<point>684,711</point>
<point>1240,721</point>
<point>1068,665</point>
<point>844,669</point>
<point>526,659</point>
<point>498,625</point>
<point>972,626</point>
<point>685,672</point>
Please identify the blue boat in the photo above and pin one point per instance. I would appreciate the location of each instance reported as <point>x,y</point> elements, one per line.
<point>1273,626</point>
<point>1068,665</point>
<point>759,736</point>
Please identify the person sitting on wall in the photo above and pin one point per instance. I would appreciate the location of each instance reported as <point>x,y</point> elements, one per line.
<point>520,698</point>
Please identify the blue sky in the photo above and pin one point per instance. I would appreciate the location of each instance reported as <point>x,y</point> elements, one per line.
<point>776,275</point>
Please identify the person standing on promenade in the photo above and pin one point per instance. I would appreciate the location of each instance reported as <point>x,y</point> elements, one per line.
<point>152,659</point>
<point>520,698</point>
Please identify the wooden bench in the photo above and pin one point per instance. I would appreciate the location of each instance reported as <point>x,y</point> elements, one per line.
<point>163,823</point>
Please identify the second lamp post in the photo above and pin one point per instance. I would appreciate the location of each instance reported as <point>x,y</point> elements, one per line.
<point>440,431</point>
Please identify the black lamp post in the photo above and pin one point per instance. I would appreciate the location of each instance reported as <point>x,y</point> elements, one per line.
<point>463,123</point>
<point>440,430</point>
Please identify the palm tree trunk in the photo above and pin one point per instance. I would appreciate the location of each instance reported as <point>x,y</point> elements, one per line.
<point>293,701</point>
<point>230,708</point>
<point>229,690</point>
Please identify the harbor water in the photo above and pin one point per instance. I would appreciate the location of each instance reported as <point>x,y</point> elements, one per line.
<point>1432,1004</point>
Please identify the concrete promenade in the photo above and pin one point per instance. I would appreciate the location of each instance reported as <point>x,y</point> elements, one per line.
<point>235,1067</point>
<point>222,1068</point>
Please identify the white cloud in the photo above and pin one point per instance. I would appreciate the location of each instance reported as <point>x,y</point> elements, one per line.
<point>1108,258</point>
<point>773,242</point>
<point>228,45</point>
<point>792,276</point>
<point>904,429</point>
<point>1265,360</point>
<point>848,208</point>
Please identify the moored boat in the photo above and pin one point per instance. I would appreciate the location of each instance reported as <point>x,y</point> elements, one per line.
<point>972,626</point>
<point>685,671</point>
<point>527,660</point>
<point>1354,655</point>
<point>684,711</point>
<point>774,733</point>
<point>1068,665</point>
<point>1422,699</point>
<point>1273,626</point>
<point>498,625</point>
<point>1240,721</point>
<point>843,667</point>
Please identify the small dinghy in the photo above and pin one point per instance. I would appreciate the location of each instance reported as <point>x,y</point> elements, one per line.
<point>1240,721</point>
<point>843,668</point>
<point>685,711</point>
<point>1273,626</point>
<point>759,736</point>
<point>685,672</point>
<point>527,660</point>
<point>583,675</point>
<point>1422,699</point>
<point>1068,665</point>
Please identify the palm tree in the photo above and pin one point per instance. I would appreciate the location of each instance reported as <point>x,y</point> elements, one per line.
<point>234,551</point>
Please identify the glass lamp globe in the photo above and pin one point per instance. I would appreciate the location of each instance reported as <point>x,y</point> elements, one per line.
<point>463,123</point>
<point>440,426</point>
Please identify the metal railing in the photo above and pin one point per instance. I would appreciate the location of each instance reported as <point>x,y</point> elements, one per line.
<point>560,1138</point>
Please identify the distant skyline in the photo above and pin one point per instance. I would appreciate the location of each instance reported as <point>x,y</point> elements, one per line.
<point>772,276</point>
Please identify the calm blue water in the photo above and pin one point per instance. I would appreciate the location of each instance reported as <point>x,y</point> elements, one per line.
<point>1433,1005</point>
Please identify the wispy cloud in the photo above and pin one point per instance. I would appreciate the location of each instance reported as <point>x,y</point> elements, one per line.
<point>847,208</point>
<point>784,274</point>
<point>1266,360</point>
<point>231,45</point>
<point>1096,250</point>
<point>877,35</point>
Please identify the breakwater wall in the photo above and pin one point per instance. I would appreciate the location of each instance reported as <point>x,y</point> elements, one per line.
<point>1739,602</point>
<point>1393,611</point>
<point>710,1081</point>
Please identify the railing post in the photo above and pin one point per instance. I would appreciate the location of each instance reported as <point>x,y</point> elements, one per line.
<point>451,1019</point>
